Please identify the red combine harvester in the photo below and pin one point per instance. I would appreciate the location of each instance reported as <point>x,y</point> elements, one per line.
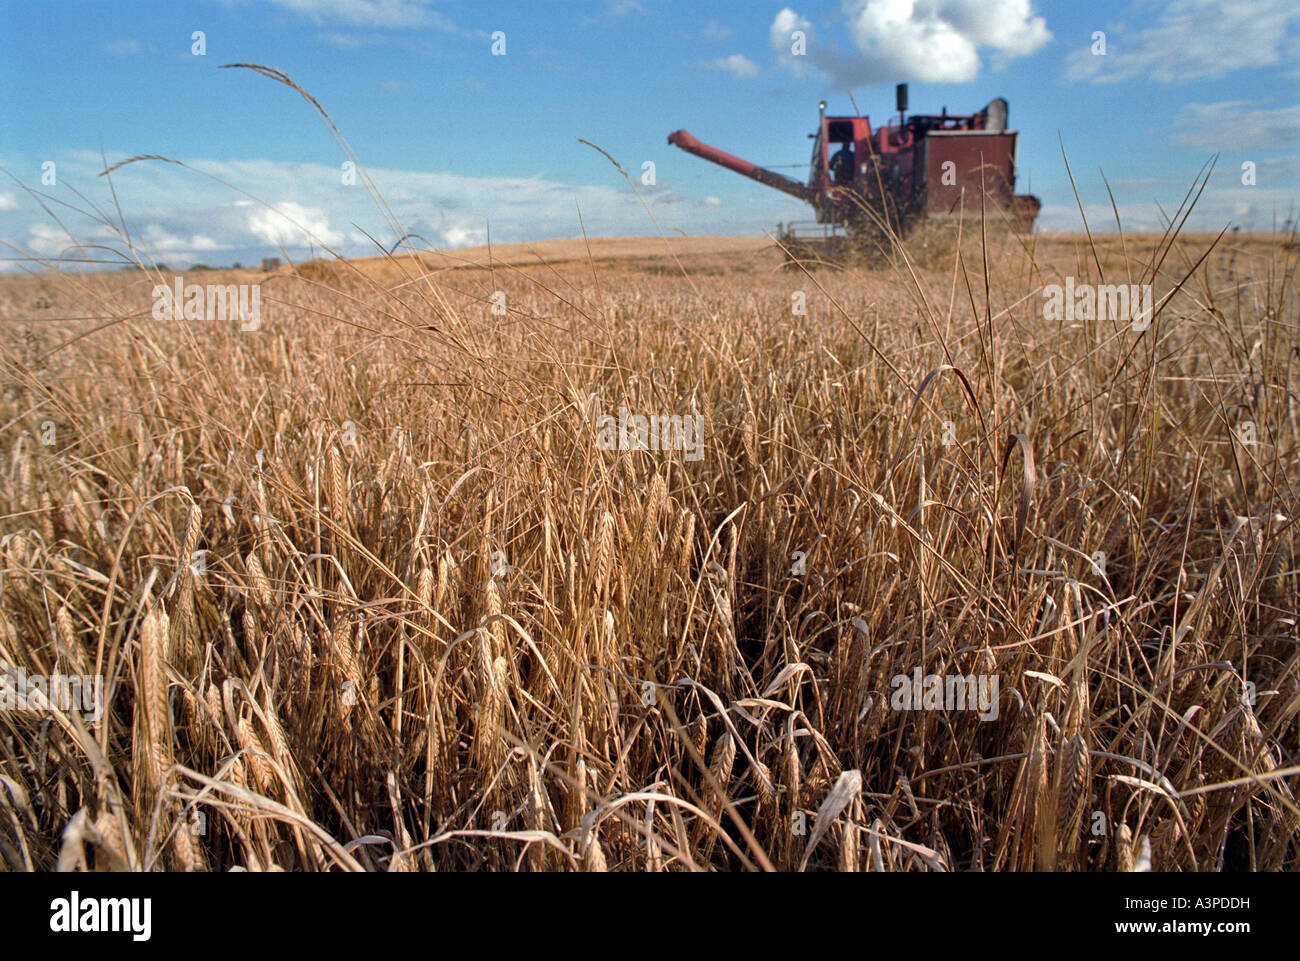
<point>863,181</point>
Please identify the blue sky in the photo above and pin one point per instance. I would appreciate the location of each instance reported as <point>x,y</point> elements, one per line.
<point>458,139</point>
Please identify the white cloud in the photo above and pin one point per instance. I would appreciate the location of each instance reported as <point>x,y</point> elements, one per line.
<point>370,13</point>
<point>463,235</point>
<point>716,31</point>
<point>737,64</point>
<point>161,241</point>
<point>933,41</point>
<point>1237,125</point>
<point>292,225</point>
<point>125,48</point>
<point>711,201</point>
<point>780,37</point>
<point>99,244</point>
<point>46,240</point>
<point>1193,39</point>
<point>8,202</point>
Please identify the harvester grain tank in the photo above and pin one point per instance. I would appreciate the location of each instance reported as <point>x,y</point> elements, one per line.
<point>924,166</point>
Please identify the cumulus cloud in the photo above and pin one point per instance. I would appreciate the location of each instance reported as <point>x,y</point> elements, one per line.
<point>1253,127</point>
<point>292,225</point>
<point>791,36</point>
<point>737,64</point>
<point>1192,40</point>
<point>932,41</point>
<point>8,201</point>
<point>164,243</point>
<point>463,235</point>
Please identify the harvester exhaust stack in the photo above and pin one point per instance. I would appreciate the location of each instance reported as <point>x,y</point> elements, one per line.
<point>995,116</point>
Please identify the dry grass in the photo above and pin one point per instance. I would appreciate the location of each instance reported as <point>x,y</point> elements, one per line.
<point>458,634</point>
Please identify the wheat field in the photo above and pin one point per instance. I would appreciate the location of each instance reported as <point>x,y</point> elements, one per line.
<point>366,591</point>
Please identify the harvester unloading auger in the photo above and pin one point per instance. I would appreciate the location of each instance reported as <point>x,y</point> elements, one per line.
<point>867,184</point>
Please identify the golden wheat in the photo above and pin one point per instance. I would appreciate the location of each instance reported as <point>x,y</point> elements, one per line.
<point>683,657</point>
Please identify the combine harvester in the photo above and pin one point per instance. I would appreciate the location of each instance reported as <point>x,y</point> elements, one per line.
<point>867,185</point>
